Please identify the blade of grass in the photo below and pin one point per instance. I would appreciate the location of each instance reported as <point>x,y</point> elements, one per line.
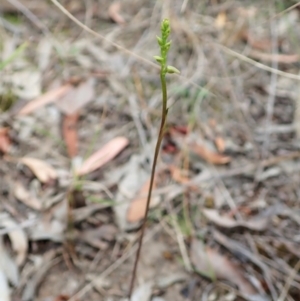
<point>15,54</point>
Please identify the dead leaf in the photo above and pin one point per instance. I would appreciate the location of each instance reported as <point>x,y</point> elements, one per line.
<point>8,266</point>
<point>165,281</point>
<point>137,208</point>
<point>221,20</point>
<point>235,247</point>
<point>97,237</point>
<point>82,213</point>
<point>69,131</point>
<point>42,170</point>
<point>227,222</point>
<point>45,99</point>
<point>257,43</point>
<point>177,175</point>
<point>77,98</point>
<point>23,195</point>
<point>132,177</point>
<point>220,144</point>
<point>210,263</point>
<point>17,237</point>
<point>51,224</point>
<point>270,57</point>
<point>4,287</point>
<point>103,155</point>
<point>42,265</point>
<point>114,13</point>
<point>209,156</point>
<point>143,292</point>
<point>5,142</point>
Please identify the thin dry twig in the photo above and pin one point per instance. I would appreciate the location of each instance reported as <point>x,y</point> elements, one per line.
<point>30,15</point>
<point>289,281</point>
<point>281,13</point>
<point>255,63</point>
<point>69,15</point>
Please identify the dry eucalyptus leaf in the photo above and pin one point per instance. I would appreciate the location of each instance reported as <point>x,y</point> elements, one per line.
<point>227,222</point>
<point>52,224</point>
<point>42,170</point>
<point>134,176</point>
<point>8,267</point>
<point>17,237</point>
<point>82,213</point>
<point>4,287</point>
<point>220,144</point>
<point>210,263</point>
<point>45,99</point>
<point>103,155</point>
<point>163,282</point>
<point>209,155</point>
<point>97,237</point>
<point>23,195</point>
<point>42,266</point>
<point>143,292</point>
<point>5,142</point>
<point>137,208</point>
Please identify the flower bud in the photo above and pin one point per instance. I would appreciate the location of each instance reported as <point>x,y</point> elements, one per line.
<point>171,69</point>
<point>159,40</point>
<point>158,58</point>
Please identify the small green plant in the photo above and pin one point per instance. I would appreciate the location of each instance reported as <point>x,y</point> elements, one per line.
<point>7,99</point>
<point>164,45</point>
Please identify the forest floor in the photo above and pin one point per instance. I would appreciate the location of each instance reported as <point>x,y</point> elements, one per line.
<point>80,104</point>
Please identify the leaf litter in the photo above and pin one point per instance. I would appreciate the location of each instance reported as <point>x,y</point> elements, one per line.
<point>42,170</point>
<point>227,222</point>
<point>103,155</point>
<point>212,264</point>
<point>219,174</point>
<point>18,238</point>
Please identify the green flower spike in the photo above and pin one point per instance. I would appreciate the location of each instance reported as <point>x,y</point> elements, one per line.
<point>164,45</point>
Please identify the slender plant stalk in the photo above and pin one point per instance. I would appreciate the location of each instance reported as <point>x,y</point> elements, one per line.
<point>164,48</point>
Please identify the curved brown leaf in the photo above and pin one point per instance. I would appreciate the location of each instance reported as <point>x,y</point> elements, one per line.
<point>44,99</point>
<point>5,142</point>
<point>209,156</point>
<point>103,155</point>
<point>227,222</point>
<point>42,170</point>
<point>214,265</point>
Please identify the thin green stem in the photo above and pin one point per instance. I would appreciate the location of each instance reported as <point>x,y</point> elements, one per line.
<point>162,60</point>
<point>164,114</point>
